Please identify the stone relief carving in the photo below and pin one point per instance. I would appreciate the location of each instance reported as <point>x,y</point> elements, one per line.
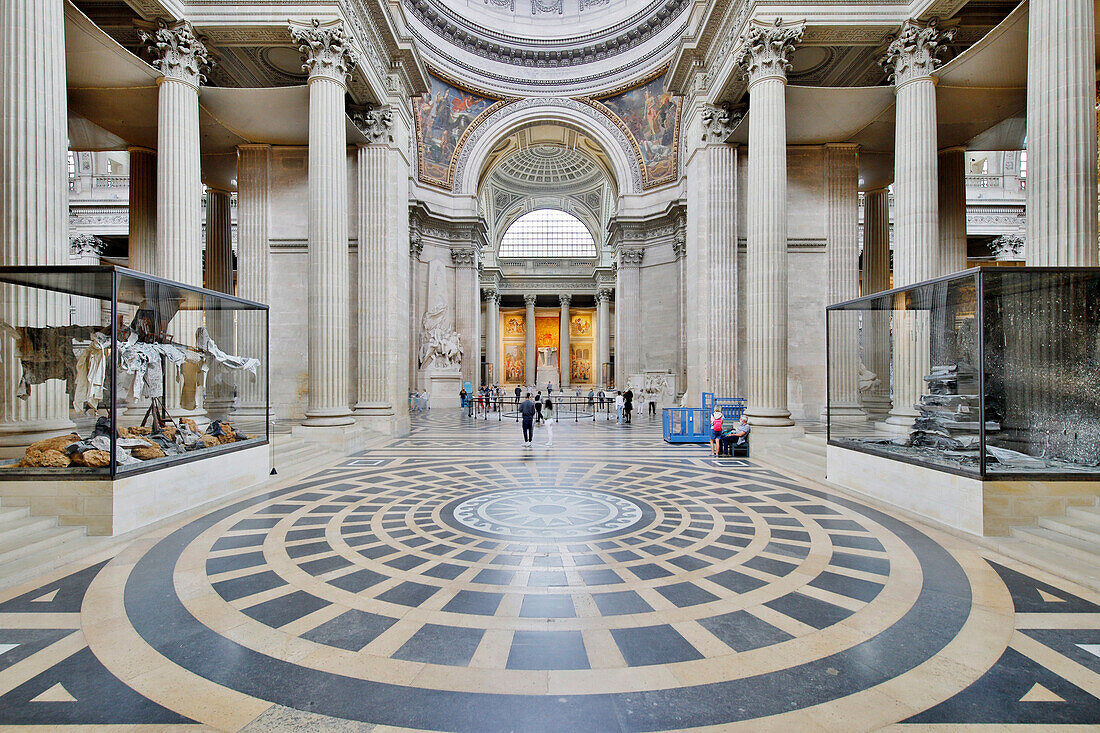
<point>325,49</point>
<point>720,121</point>
<point>440,344</point>
<point>510,4</point>
<point>592,4</point>
<point>765,50</point>
<point>178,52</point>
<point>86,244</point>
<point>631,256</point>
<point>463,257</point>
<point>916,52</point>
<point>374,122</point>
<point>547,6</point>
<point>1008,247</point>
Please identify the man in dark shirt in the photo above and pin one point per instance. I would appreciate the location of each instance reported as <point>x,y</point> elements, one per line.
<point>628,404</point>
<point>527,413</point>
<point>518,393</point>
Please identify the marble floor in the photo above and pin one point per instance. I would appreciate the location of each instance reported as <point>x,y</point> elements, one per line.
<point>453,580</point>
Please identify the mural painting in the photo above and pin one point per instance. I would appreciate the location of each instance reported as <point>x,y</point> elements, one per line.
<point>546,332</point>
<point>651,118</point>
<point>580,325</point>
<point>580,363</point>
<point>515,363</point>
<point>443,116</point>
<point>515,325</point>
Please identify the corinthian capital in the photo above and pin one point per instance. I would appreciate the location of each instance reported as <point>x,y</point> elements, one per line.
<point>374,122</point>
<point>720,121</point>
<point>916,52</point>
<point>86,244</point>
<point>765,49</point>
<point>325,49</point>
<point>177,51</point>
<point>464,257</point>
<point>631,256</point>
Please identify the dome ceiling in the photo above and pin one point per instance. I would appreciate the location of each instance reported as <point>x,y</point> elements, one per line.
<point>524,47</point>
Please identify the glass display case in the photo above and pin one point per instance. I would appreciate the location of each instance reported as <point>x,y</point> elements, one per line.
<point>108,372</point>
<point>992,373</point>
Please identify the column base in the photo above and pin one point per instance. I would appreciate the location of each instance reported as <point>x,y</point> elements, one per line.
<point>895,428</point>
<point>328,419</point>
<point>373,409</point>
<point>23,434</point>
<point>844,413</point>
<point>770,418</point>
<point>878,406</point>
<point>254,411</point>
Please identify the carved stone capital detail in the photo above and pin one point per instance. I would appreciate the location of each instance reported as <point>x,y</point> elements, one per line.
<point>177,51</point>
<point>719,121</point>
<point>529,300</point>
<point>765,49</point>
<point>374,122</point>
<point>631,256</point>
<point>492,297</point>
<point>564,299</point>
<point>464,257</point>
<point>416,243</point>
<point>679,244</point>
<point>604,294</point>
<point>326,50</point>
<point>86,244</point>
<point>916,52</point>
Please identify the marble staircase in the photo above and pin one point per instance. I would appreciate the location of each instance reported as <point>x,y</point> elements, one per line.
<point>1070,543</point>
<point>803,455</point>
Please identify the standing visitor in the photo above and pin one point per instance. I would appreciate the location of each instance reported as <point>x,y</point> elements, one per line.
<point>426,400</point>
<point>652,399</point>
<point>518,392</point>
<point>548,416</point>
<point>549,389</point>
<point>527,415</point>
<point>538,407</point>
<point>628,403</point>
<point>591,395</point>
<point>462,397</point>
<point>619,403</point>
<point>715,430</point>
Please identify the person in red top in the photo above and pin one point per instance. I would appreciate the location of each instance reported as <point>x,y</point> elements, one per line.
<point>715,430</point>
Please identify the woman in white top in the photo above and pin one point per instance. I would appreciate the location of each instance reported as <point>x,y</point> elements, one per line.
<point>548,418</point>
<point>619,403</point>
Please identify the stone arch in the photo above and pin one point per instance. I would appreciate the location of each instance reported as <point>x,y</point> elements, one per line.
<point>547,110</point>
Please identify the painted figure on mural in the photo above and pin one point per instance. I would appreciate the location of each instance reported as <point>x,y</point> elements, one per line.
<point>651,114</point>
<point>443,115</point>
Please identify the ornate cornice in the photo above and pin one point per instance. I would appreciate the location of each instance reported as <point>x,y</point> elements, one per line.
<point>326,52</point>
<point>915,53</point>
<point>376,123</point>
<point>178,53</point>
<point>765,49</point>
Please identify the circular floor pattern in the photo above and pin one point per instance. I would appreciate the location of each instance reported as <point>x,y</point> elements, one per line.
<point>426,596</point>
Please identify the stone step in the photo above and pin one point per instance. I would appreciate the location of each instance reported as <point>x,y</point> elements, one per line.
<point>1082,572</point>
<point>40,543</point>
<point>25,526</point>
<point>1087,530</point>
<point>12,514</point>
<point>792,459</point>
<point>1066,546</point>
<point>1091,513</point>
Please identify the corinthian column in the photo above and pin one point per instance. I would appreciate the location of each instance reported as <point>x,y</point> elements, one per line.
<point>529,333</point>
<point>628,349</point>
<point>34,207</point>
<point>492,333</point>
<point>842,237</point>
<point>328,59</point>
<point>383,261</point>
<point>143,210</point>
<point>253,170</point>
<point>763,59</point>
<point>603,333</point>
<point>468,311</point>
<point>1061,134</point>
<point>876,278</point>
<point>564,355</point>
<point>910,62</point>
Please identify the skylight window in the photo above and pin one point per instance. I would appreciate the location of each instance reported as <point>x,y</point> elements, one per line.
<point>547,233</point>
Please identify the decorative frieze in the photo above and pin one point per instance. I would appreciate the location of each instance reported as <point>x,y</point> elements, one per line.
<point>916,52</point>
<point>177,51</point>
<point>326,51</point>
<point>765,49</point>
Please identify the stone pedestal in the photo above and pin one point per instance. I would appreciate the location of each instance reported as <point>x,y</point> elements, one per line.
<point>444,384</point>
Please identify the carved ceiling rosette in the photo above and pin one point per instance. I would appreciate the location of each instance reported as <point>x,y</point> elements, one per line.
<point>326,49</point>
<point>177,51</point>
<point>916,52</point>
<point>765,50</point>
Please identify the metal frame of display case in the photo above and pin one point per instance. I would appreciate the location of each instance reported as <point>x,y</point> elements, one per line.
<point>116,272</point>
<point>981,472</point>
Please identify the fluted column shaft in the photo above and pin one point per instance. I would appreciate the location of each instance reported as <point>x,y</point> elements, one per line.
<point>842,253</point>
<point>529,332</point>
<point>179,184</point>
<point>373,281</point>
<point>34,216</point>
<point>767,254</point>
<point>328,255</point>
<point>565,358</point>
<point>219,276</point>
<point>1061,134</point>
<point>143,210</point>
<point>876,278</point>
<point>952,210</point>
<point>253,187</point>
<point>628,311</point>
<point>492,334</point>
<point>603,333</point>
